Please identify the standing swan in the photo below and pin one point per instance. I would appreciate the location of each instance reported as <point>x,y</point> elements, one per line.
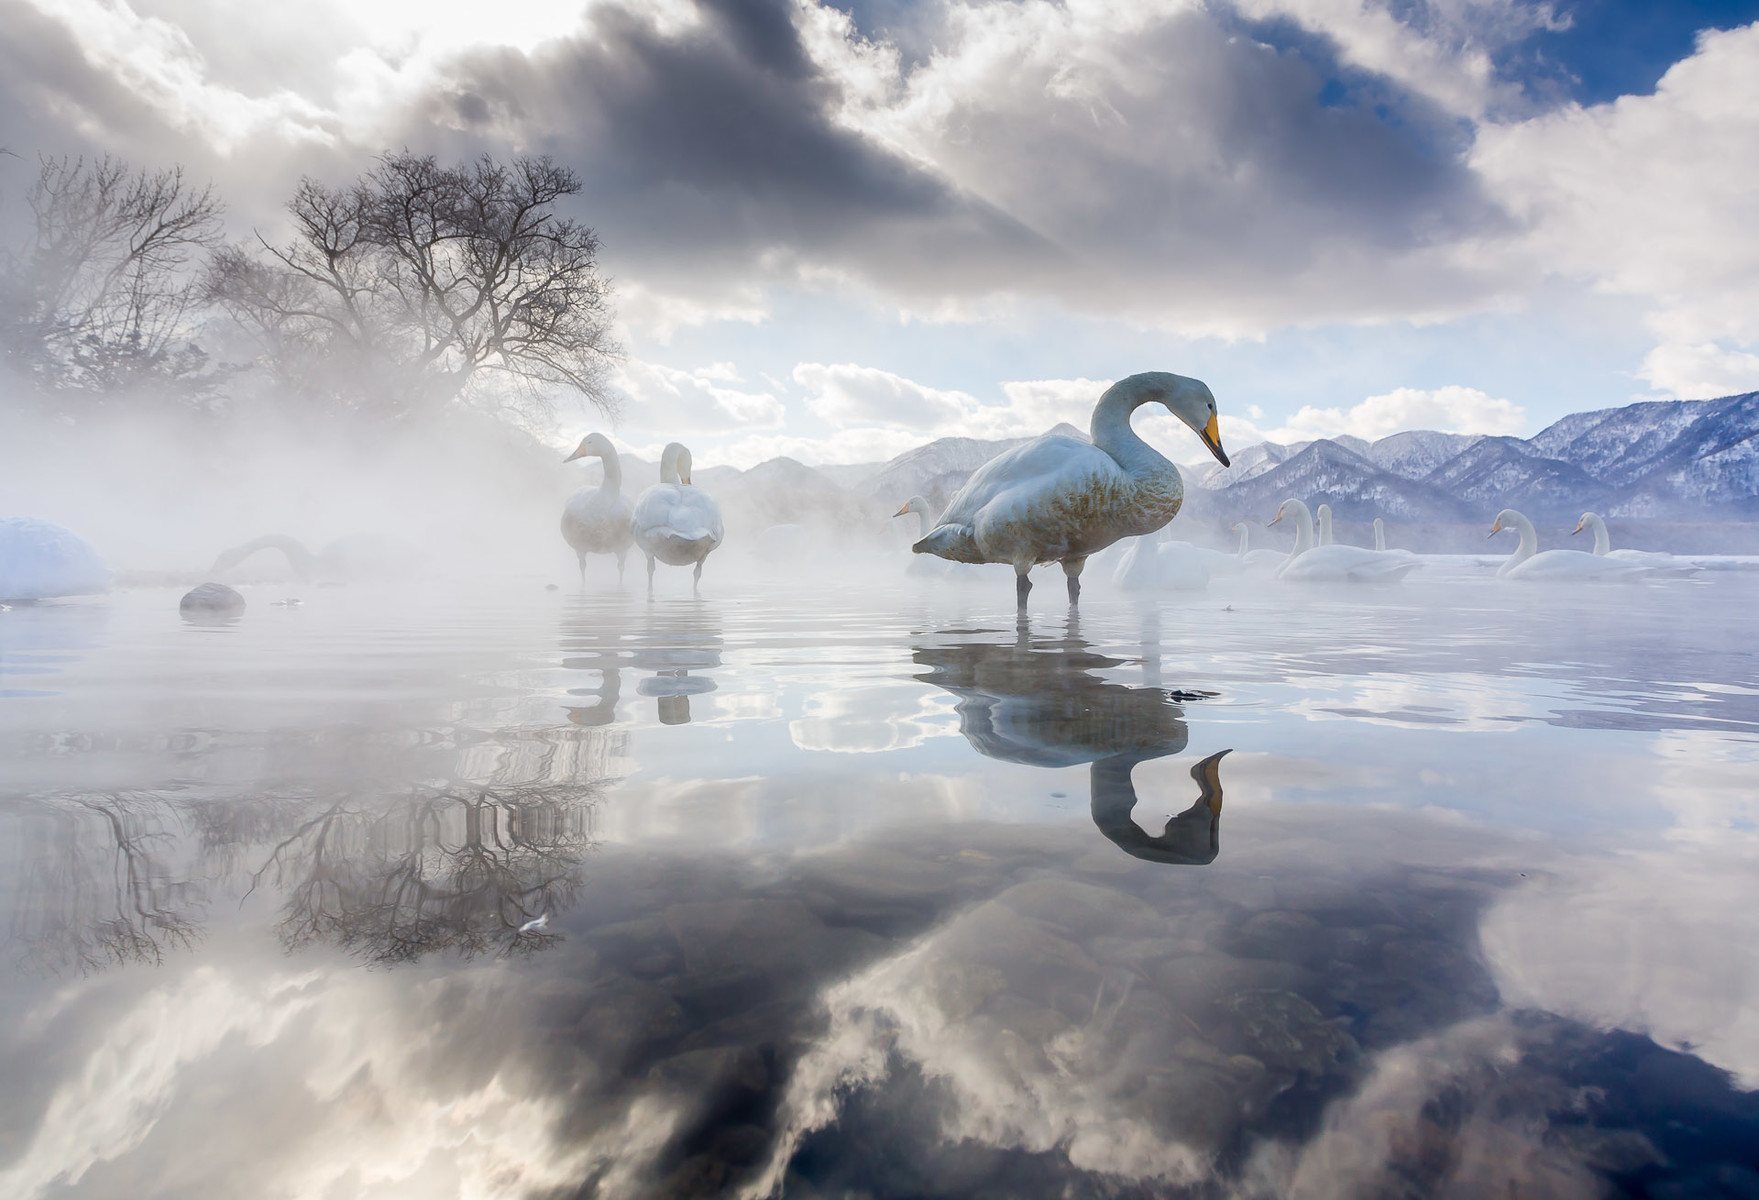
<point>1059,499</point>
<point>1554,565</point>
<point>1308,563</point>
<point>596,520</point>
<point>674,522</point>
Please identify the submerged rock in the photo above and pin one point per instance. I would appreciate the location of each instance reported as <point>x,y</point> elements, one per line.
<point>211,600</point>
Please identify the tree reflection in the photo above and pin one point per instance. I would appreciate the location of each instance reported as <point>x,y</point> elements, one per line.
<point>1042,702</point>
<point>98,884</point>
<point>467,869</point>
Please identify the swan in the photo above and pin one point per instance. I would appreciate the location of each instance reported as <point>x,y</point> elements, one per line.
<point>1323,515</point>
<point>923,564</point>
<point>596,520</point>
<point>1308,563</point>
<point>1603,545</point>
<point>1562,566</point>
<point>40,560</point>
<point>675,522</point>
<point>1151,566</point>
<point>1250,559</point>
<point>1059,499</point>
<point>1380,541</point>
<point>352,556</point>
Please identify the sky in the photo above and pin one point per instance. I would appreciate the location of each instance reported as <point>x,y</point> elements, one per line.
<point>839,229</point>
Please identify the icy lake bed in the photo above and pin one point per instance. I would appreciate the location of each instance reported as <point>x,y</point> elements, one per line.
<point>498,891</point>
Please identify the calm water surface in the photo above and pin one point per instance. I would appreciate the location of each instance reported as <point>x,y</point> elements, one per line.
<point>497,892</point>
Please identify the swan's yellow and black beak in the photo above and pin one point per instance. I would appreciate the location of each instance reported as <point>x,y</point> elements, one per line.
<point>902,511</point>
<point>1275,519</point>
<point>1577,529</point>
<point>1212,437</point>
<point>573,456</point>
<point>1495,529</point>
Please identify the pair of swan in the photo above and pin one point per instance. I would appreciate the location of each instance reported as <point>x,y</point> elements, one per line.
<point>40,560</point>
<point>1059,499</point>
<point>1334,563</point>
<point>673,521</point>
<point>1529,563</point>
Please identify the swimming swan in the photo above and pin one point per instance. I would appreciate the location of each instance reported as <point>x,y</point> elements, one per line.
<point>40,560</point>
<point>596,520</point>
<point>1323,515</point>
<point>352,556</point>
<point>1059,499</point>
<point>1603,545</point>
<point>1249,558</point>
<point>1149,565</point>
<point>675,522</point>
<point>1308,563</point>
<point>1563,566</point>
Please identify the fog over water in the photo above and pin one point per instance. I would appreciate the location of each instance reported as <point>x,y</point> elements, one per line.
<point>833,881</point>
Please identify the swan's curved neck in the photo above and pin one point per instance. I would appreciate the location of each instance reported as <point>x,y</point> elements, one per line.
<point>1529,541</point>
<point>298,557</point>
<point>1112,433</point>
<point>1602,542</point>
<point>1324,525</point>
<point>1245,539</point>
<point>1379,534</point>
<point>1303,529</point>
<point>922,522</point>
<point>669,466</point>
<point>613,471</point>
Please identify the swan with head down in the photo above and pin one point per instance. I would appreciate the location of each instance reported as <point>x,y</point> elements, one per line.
<point>676,522</point>
<point>1308,563</point>
<point>597,520</point>
<point>1059,499</point>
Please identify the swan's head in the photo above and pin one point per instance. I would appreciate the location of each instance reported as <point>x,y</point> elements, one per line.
<point>1189,400</point>
<point>593,445</point>
<point>1290,508</point>
<point>1587,522</point>
<point>1508,518</point>
<point>674,463</point>
<point>916,504</point>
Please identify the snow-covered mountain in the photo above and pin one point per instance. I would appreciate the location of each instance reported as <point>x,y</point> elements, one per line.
<point>937,470</point>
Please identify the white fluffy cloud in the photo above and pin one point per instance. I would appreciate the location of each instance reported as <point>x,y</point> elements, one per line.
<point>666,397</point>
<point>847,394</point>
<point>1451,409</point>
<point>1700,372</point>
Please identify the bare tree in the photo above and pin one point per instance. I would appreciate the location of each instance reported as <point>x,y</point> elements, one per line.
<point>398,292</point>
<point>100,297</point>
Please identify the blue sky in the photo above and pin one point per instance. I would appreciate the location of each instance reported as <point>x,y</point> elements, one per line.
<point>839,231</point>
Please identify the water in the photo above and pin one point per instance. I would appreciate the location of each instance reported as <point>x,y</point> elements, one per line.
<point>495,891</point>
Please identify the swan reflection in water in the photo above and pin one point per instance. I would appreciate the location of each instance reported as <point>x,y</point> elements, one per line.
<point>1043,703</point>
<point>673,642</point>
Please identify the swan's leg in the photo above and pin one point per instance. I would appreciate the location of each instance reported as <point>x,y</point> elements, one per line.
<point>650,577</point>
<point>696,577</point>
<point>1022,585</point>
<point>581,557</point>
<point>1072,568</point>
<point>621,556</point>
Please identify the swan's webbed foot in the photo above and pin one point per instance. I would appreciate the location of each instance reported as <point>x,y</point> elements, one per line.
<point>1022,586</point>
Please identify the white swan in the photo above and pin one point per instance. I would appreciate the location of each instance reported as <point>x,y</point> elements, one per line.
<point>596,520</point>
<point>1250,559</point>
<point>1323,515</point>
<point>1059,499</point>
<point>1563,566</point>
<point>351,556</point>
<point>1380,541</point>
<point>923,564</point>
<point>1150,565</point>
<point>1603,545</point>
<point>675,522</point>
<point>40,560</point>
<point>1308,563</point>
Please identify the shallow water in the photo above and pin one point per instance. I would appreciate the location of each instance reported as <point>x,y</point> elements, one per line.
<point>495,891</point>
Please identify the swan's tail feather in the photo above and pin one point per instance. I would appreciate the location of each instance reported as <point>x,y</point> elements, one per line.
<point>955,542</point>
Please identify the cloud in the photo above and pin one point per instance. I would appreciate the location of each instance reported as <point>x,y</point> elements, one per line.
<point>1452,409</point>
<point>846,394</point>
<point>1700,372</point>
<point>666,397</point>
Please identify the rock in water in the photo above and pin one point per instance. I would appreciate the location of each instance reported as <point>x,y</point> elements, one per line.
<point>211,600</point>
<point>40,560</point>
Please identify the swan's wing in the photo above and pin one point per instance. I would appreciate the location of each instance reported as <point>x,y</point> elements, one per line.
<point>1049,464</point>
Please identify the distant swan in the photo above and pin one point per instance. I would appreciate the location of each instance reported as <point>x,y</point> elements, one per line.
<point>595,520</point>
<point>1308,563</point>
<point>1603,545</point>
<point>353,556</point>
<point>40,560</point>
<point>1249,558</point>
<point>923,564</point>
<point>1380,540</point>
<point>1059,499</point>
<point>674,522</point>
<point>1149,565</point>
<point>1562,566</point>
<point>1323,515</point>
